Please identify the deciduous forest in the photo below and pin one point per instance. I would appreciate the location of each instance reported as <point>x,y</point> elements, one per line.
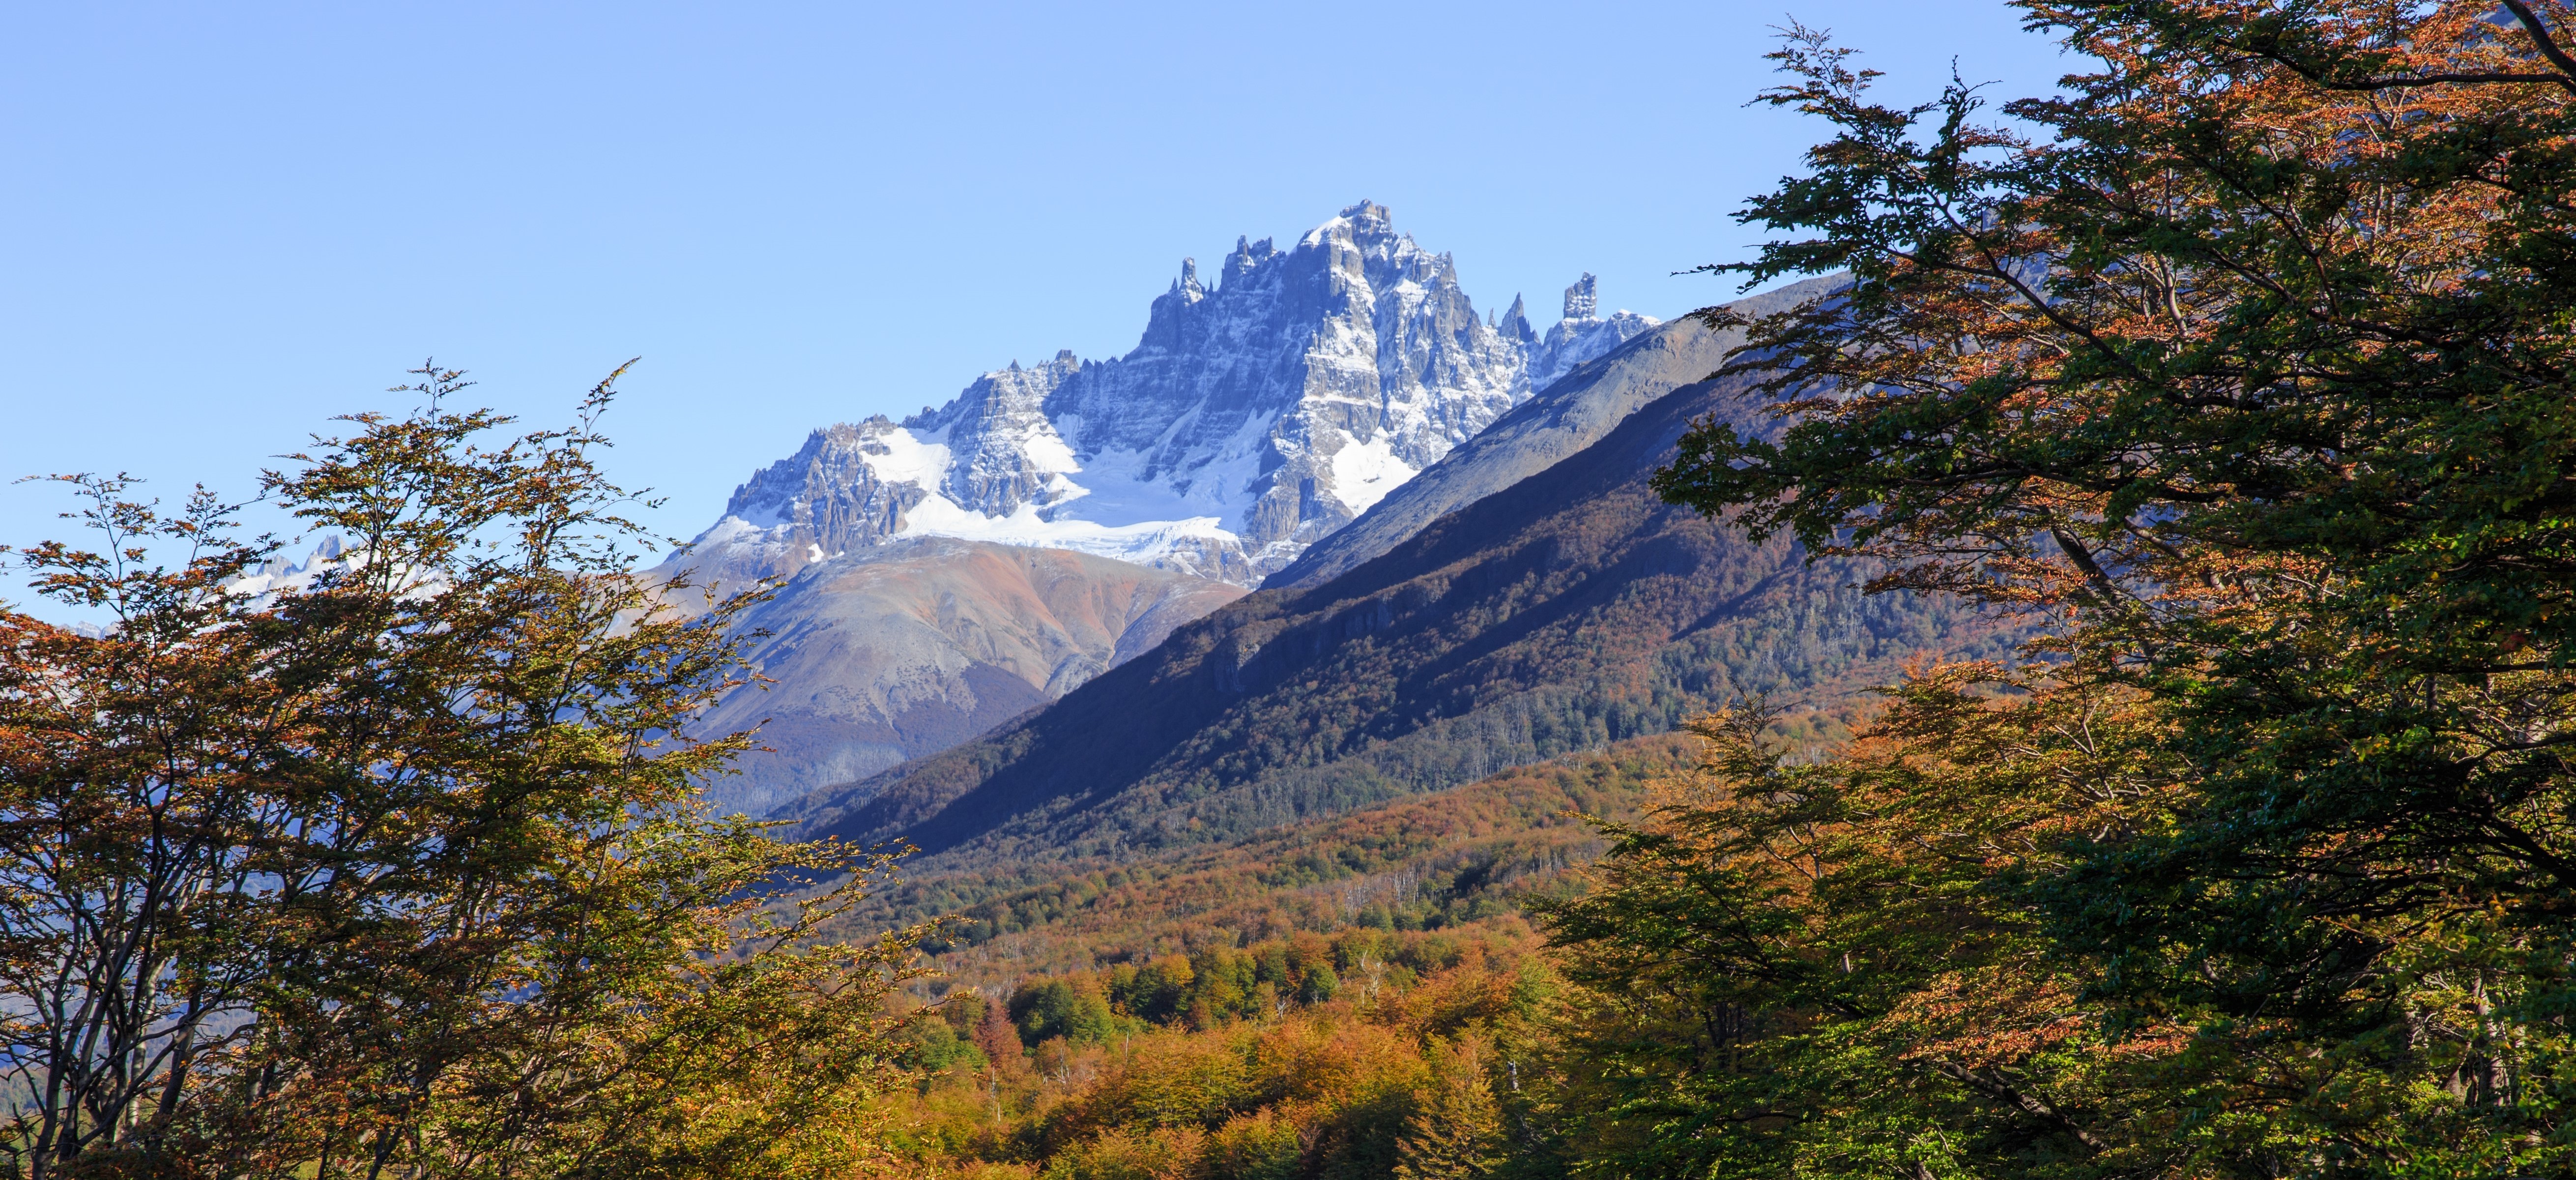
<point>2234,376</point>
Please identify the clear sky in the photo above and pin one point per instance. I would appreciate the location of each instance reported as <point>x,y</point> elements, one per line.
<point>225,223</point>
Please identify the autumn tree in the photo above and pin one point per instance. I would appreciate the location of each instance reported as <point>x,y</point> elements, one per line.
<point>1806,965</point>
<point>399,866</point>
<point>2242,362</point>
<point>1456,1132</point>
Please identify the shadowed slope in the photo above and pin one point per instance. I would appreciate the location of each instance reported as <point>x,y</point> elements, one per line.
<point>1570,414</point>
<point>1567,611</point>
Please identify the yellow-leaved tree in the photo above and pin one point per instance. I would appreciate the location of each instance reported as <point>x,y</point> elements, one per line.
<point>1457,1131</point>
<point>399,867</point>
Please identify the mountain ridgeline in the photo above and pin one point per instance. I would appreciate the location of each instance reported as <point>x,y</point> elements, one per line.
<point>1572,411</point>
<point>1566,611</point>
<point>1252,418</point>
<point>930,642</point>
<point>1258,414</point>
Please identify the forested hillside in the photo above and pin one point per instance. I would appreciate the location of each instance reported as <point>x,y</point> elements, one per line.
<point>1432,862</point>
<point>1571,610</point>
<point>1288,1004</point>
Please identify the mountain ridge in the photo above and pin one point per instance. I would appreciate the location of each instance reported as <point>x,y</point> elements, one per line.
<point>908,648</point>
<point>1586,402</point>
<point>1251,419</point>
<point>1567,611</point>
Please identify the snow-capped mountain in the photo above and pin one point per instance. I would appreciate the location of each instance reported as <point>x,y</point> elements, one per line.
<point>1253,418</point>
<point>1581,335</point>
<point>278,575</point>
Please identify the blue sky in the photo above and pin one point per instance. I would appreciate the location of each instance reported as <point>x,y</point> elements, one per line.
<point>228,222</point>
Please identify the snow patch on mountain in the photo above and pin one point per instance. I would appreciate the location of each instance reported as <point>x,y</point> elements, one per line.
<point>1582,336</point>
<point>278,575</point>
<point>1172,544</point>
<point>1251,419</point>
<point>1363,473</point>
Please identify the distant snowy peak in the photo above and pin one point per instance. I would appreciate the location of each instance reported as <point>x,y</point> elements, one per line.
<point>856,486</point>
<point>1581,335</point>
<point>1251,419</point>
<point>332,557</point>
<point>279,575</point>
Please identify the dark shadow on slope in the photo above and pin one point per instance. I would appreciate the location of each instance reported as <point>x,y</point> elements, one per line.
<point>1568,610</point>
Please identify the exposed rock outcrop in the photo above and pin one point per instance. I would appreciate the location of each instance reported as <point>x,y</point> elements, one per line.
<point>1251,420</point>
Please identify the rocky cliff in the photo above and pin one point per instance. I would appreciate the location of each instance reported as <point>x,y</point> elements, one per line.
<point>1585,402</point>
<point>1570,609</point>
<point>1262,409</point>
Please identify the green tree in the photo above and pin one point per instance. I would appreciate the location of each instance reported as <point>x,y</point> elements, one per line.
<point>1817,967</point>
<point>2245,360</point>
<point>1456,1132</point>
<point>402,870</point>
<point>1073,1008</point>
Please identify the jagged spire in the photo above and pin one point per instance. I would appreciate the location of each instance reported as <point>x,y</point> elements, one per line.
<point>1369,217</point>
<point>1582,299</point>
<point>1516,322</point>
<point>1247,254</point>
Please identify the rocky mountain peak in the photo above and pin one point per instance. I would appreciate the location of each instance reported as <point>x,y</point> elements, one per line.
<point>1582,335</point>
<point>1250,420</point>
<point>1515,324</point>
<point>1582,298</point>
<point>1246,255</point>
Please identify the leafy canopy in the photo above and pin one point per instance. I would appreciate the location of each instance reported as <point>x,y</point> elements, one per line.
<point>2244,359</point>
<point>400,869</point>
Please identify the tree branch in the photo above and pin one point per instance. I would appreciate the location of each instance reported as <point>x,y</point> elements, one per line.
<point>2531,24</point>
